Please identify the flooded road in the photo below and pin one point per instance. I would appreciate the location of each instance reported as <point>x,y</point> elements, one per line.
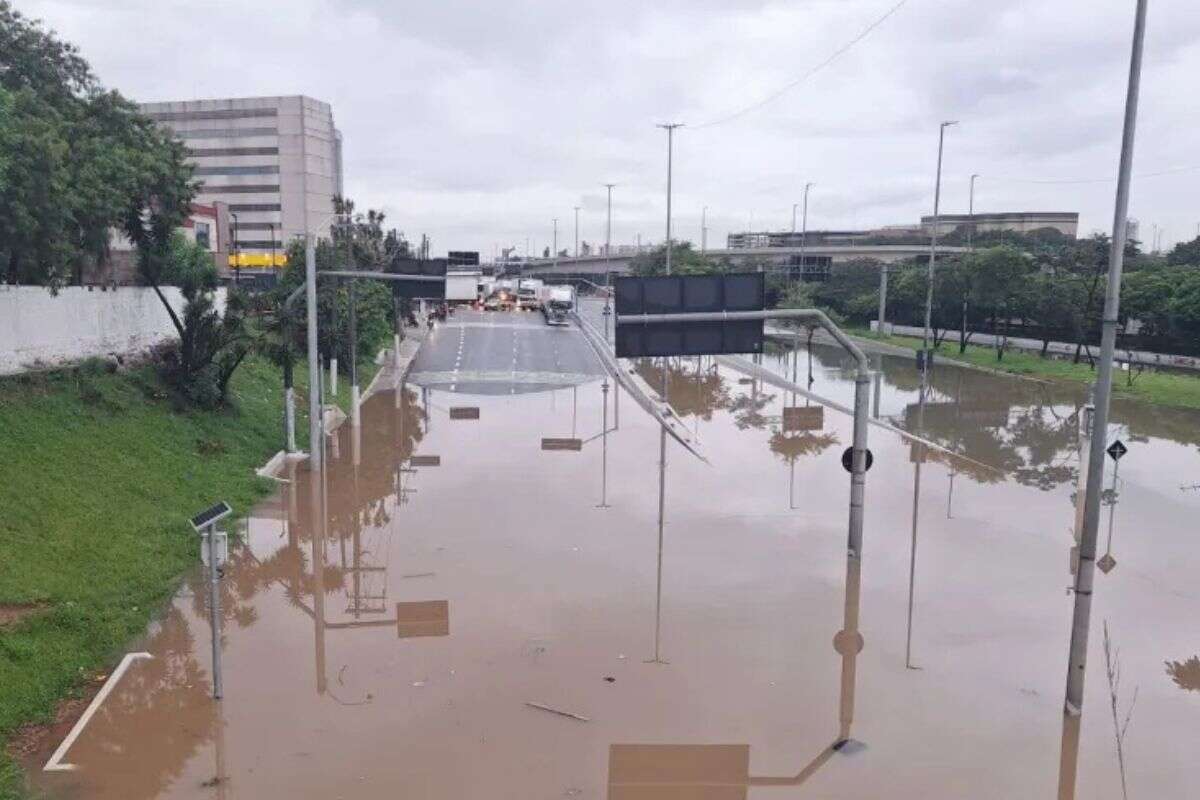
<point>388,626</point>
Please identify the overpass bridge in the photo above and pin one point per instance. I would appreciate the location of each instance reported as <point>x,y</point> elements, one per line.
<point>818,259</point>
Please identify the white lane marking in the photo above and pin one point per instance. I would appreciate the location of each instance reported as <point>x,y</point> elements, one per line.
<point>55,763</point>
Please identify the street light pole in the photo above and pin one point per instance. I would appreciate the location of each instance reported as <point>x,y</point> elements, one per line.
<point>577,232</point>
<point>1085,576</point>
<point>555,242</point>
<point>662,434</point>
<point>937,198</point>
<point>237,253</point>
<point>794,207</point>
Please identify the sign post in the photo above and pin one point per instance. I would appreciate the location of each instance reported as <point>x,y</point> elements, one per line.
<point>214,552</point>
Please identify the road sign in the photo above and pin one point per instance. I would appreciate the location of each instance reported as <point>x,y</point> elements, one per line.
<point>465,412</point>
<point>562,444</point>
<point>1107,563</point>
<point>1117,449</point>
<point>688,294</point>
<point>803,418</point>
<point>211,515</point>
<point>429,290</point>
<point>425,461</point>
<point>848,460</point>
<point>424,618</point>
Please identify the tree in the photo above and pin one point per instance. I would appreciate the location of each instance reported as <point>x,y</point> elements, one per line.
<point>212,344</point>
<point>1053,302</point>
<point>999,275</point>
<point>1185,253</point>
<point>684,261</point>
<point>78,159</point>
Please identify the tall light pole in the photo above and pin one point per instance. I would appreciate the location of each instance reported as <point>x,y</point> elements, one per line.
<point>608,236</point>
<point>555,253</point>
<point>971,213</point>
<point>1085,575</point>
<point>794,207</point>
<point>577,232</point>
<point>937,199</point>
<point>662,434</point>
<point>669,127</point>
<point>704,230</point>
<point>804,230</point>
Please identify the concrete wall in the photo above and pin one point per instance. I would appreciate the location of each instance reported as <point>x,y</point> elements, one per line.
<point>39,330</point>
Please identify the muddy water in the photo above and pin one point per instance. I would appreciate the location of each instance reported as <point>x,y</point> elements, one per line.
<point>385,629</point>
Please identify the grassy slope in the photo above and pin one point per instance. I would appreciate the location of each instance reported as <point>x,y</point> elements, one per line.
<point>98,474</point>
<point>1164,388</point>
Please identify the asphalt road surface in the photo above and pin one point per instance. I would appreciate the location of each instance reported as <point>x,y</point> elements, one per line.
<point>497,352</point>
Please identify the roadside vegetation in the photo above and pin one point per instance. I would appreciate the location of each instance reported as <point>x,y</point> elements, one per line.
<point>101,471</point>
<point>1041,285</point>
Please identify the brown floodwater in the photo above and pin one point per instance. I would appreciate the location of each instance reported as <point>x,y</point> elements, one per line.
<point>387,628</point>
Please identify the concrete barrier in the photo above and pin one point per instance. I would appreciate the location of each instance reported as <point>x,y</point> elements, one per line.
<point>39,330</point>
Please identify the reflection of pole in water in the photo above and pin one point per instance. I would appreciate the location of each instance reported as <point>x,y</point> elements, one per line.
<point>662,502</point>
<point>604,450</point>
<point>950,496</point>
<point>1112,511</point>
<point>221,779</point>
<point>316,517</point>
<point>912,559</point>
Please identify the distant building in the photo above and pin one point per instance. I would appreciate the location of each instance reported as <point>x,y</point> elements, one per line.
<point>206,224</point>
<point>275,161</point>
<point>1066,223</point>
<point>1133,231</point>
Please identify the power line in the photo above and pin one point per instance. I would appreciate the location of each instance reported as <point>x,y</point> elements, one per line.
<point>788,87</point>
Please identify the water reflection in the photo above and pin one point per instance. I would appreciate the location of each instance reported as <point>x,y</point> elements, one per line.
<point>1185,674</point>
<point>722,772</point>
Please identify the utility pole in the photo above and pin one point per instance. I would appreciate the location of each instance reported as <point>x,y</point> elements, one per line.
<point>576,232</point>
<point>883,287</point>
<point>804,230</point>
<point>555,253</point>
<point>937,199</point>
<point>794,207</point>
<point>704,230</point>
<point>971,214</point>
<point>1085,576</point>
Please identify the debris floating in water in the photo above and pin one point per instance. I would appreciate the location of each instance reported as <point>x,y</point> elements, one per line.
<point>558,711</point>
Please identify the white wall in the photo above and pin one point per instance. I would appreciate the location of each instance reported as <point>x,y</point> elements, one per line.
<point>39,330</point>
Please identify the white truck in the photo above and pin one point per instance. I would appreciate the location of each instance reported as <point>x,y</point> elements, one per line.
<point>557,304</point>
<point>528,293</point>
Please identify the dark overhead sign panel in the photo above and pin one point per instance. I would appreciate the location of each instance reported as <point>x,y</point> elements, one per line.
<point>686,294</point>
<point>429,290</point>
<point>463,258</point>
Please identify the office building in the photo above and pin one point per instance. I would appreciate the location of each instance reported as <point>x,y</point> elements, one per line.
<point>276,162</point>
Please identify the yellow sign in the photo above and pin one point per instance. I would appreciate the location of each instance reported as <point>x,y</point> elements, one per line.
<point>258,260</point>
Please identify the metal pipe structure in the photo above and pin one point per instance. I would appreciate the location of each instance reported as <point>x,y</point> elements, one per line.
<point>937,199</point>
<point>1085,576</point>
<point>862,382</point>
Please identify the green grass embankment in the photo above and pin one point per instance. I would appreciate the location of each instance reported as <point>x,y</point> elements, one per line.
<point>1163,388</point>
<point>98,474</point>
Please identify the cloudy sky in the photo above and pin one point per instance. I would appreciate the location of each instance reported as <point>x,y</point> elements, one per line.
<point>479,122</point>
